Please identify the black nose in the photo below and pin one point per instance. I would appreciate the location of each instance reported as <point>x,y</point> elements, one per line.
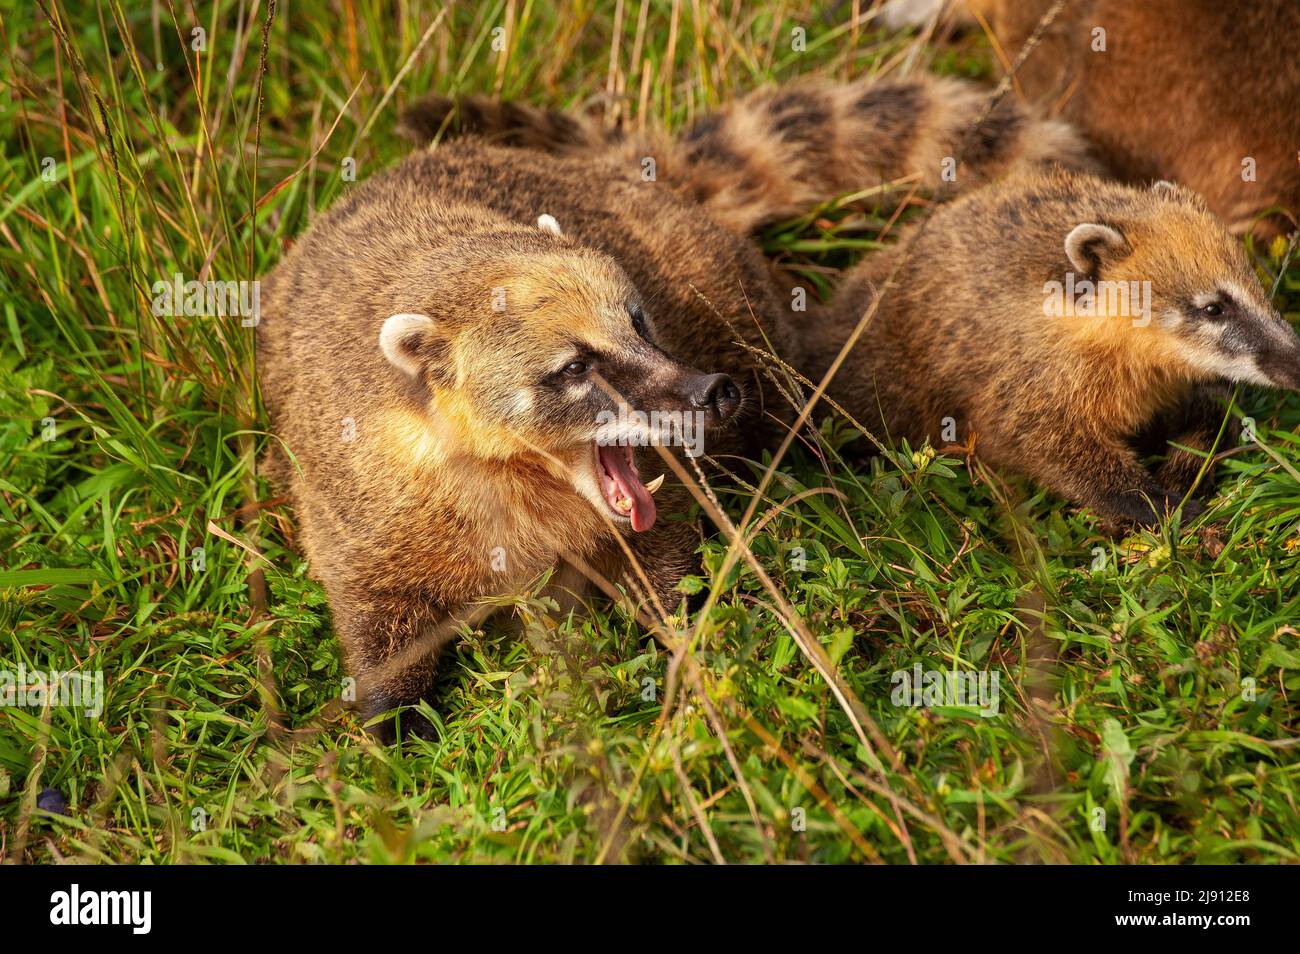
<point>1282,368</point>
<point>716,393</point>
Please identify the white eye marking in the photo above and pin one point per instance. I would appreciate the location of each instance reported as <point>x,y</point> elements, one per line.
<point>1255,308</point>
<point>1170,318</point>
<point>397,337</point>
<point>1207,357</point>
<point>547,223</point>
<point>523,401</point>
<point>1238,294</point>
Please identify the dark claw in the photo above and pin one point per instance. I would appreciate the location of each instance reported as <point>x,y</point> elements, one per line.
<point>51,800</point>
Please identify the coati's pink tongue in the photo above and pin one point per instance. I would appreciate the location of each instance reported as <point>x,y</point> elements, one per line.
<point>617,461</point>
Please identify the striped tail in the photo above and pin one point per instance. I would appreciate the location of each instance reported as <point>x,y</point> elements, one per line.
<point>776,153</point>
<point>505,124</point>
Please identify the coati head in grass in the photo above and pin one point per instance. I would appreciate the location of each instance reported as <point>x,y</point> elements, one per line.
<point>1203,310</point>
<point>542,350</point>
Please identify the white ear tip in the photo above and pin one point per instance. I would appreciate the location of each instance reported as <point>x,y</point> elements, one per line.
<point>1081,237</point>
<point>1093,232</point>
<point>1164,185</point>
<point>547,223</point>
<point>395,330</point>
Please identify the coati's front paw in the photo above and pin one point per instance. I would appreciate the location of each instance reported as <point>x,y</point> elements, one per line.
<point>1185,471</point>
<point>1192,508</point>
<point>1149,510</point>
<point>1180,471</point>
<point>408,723</point>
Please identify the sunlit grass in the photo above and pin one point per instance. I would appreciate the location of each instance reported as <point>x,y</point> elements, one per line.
<point>1155,683</point>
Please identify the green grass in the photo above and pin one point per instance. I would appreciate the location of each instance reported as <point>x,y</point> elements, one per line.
<point>1159,689</point>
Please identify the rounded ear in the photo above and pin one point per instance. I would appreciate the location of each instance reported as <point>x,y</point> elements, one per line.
<point>409,342</point>
<point>1091,244</point>
<point>1164,187</point>
<point>547,223</point>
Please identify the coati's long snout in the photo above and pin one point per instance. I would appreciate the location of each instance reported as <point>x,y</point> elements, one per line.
<point>713,398</point>
<point>1252,343</point>
<point>1279,361</point>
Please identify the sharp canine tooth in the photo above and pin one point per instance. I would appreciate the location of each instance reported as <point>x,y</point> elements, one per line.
<point>655,484</point>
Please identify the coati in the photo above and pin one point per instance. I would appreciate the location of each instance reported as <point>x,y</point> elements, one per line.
<point>1200,92</point>
<point>437,360</point>
<point>776,152</point>
<point>1054,319</point>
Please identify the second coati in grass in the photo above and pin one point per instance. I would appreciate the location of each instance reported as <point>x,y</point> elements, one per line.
<point>776,152</point>
<point>1052,322</point>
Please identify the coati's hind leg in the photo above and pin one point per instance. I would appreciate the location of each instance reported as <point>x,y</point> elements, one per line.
<point>1106,475</point>
<point>1194,426</point>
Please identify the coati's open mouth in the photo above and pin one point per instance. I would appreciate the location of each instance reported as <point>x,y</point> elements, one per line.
<point>620,484</point>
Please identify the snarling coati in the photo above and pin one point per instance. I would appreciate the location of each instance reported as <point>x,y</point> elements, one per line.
<point>776,152</point>
<point>1051,321</point>
<point>1200,92</point>
<point>438,363</point>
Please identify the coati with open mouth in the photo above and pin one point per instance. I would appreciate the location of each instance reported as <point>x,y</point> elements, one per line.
<point>457,381</point>
<point>1053,321</point>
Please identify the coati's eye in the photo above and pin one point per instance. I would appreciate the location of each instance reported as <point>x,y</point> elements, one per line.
<point>638,321</point>
<point>575,369</point>
<point>1213,310</point>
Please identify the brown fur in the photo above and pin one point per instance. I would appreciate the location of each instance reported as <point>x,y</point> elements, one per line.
<point>777,152</point>
<point>401,523</point>
<point>1184,91</point>
<point>963,334</point>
